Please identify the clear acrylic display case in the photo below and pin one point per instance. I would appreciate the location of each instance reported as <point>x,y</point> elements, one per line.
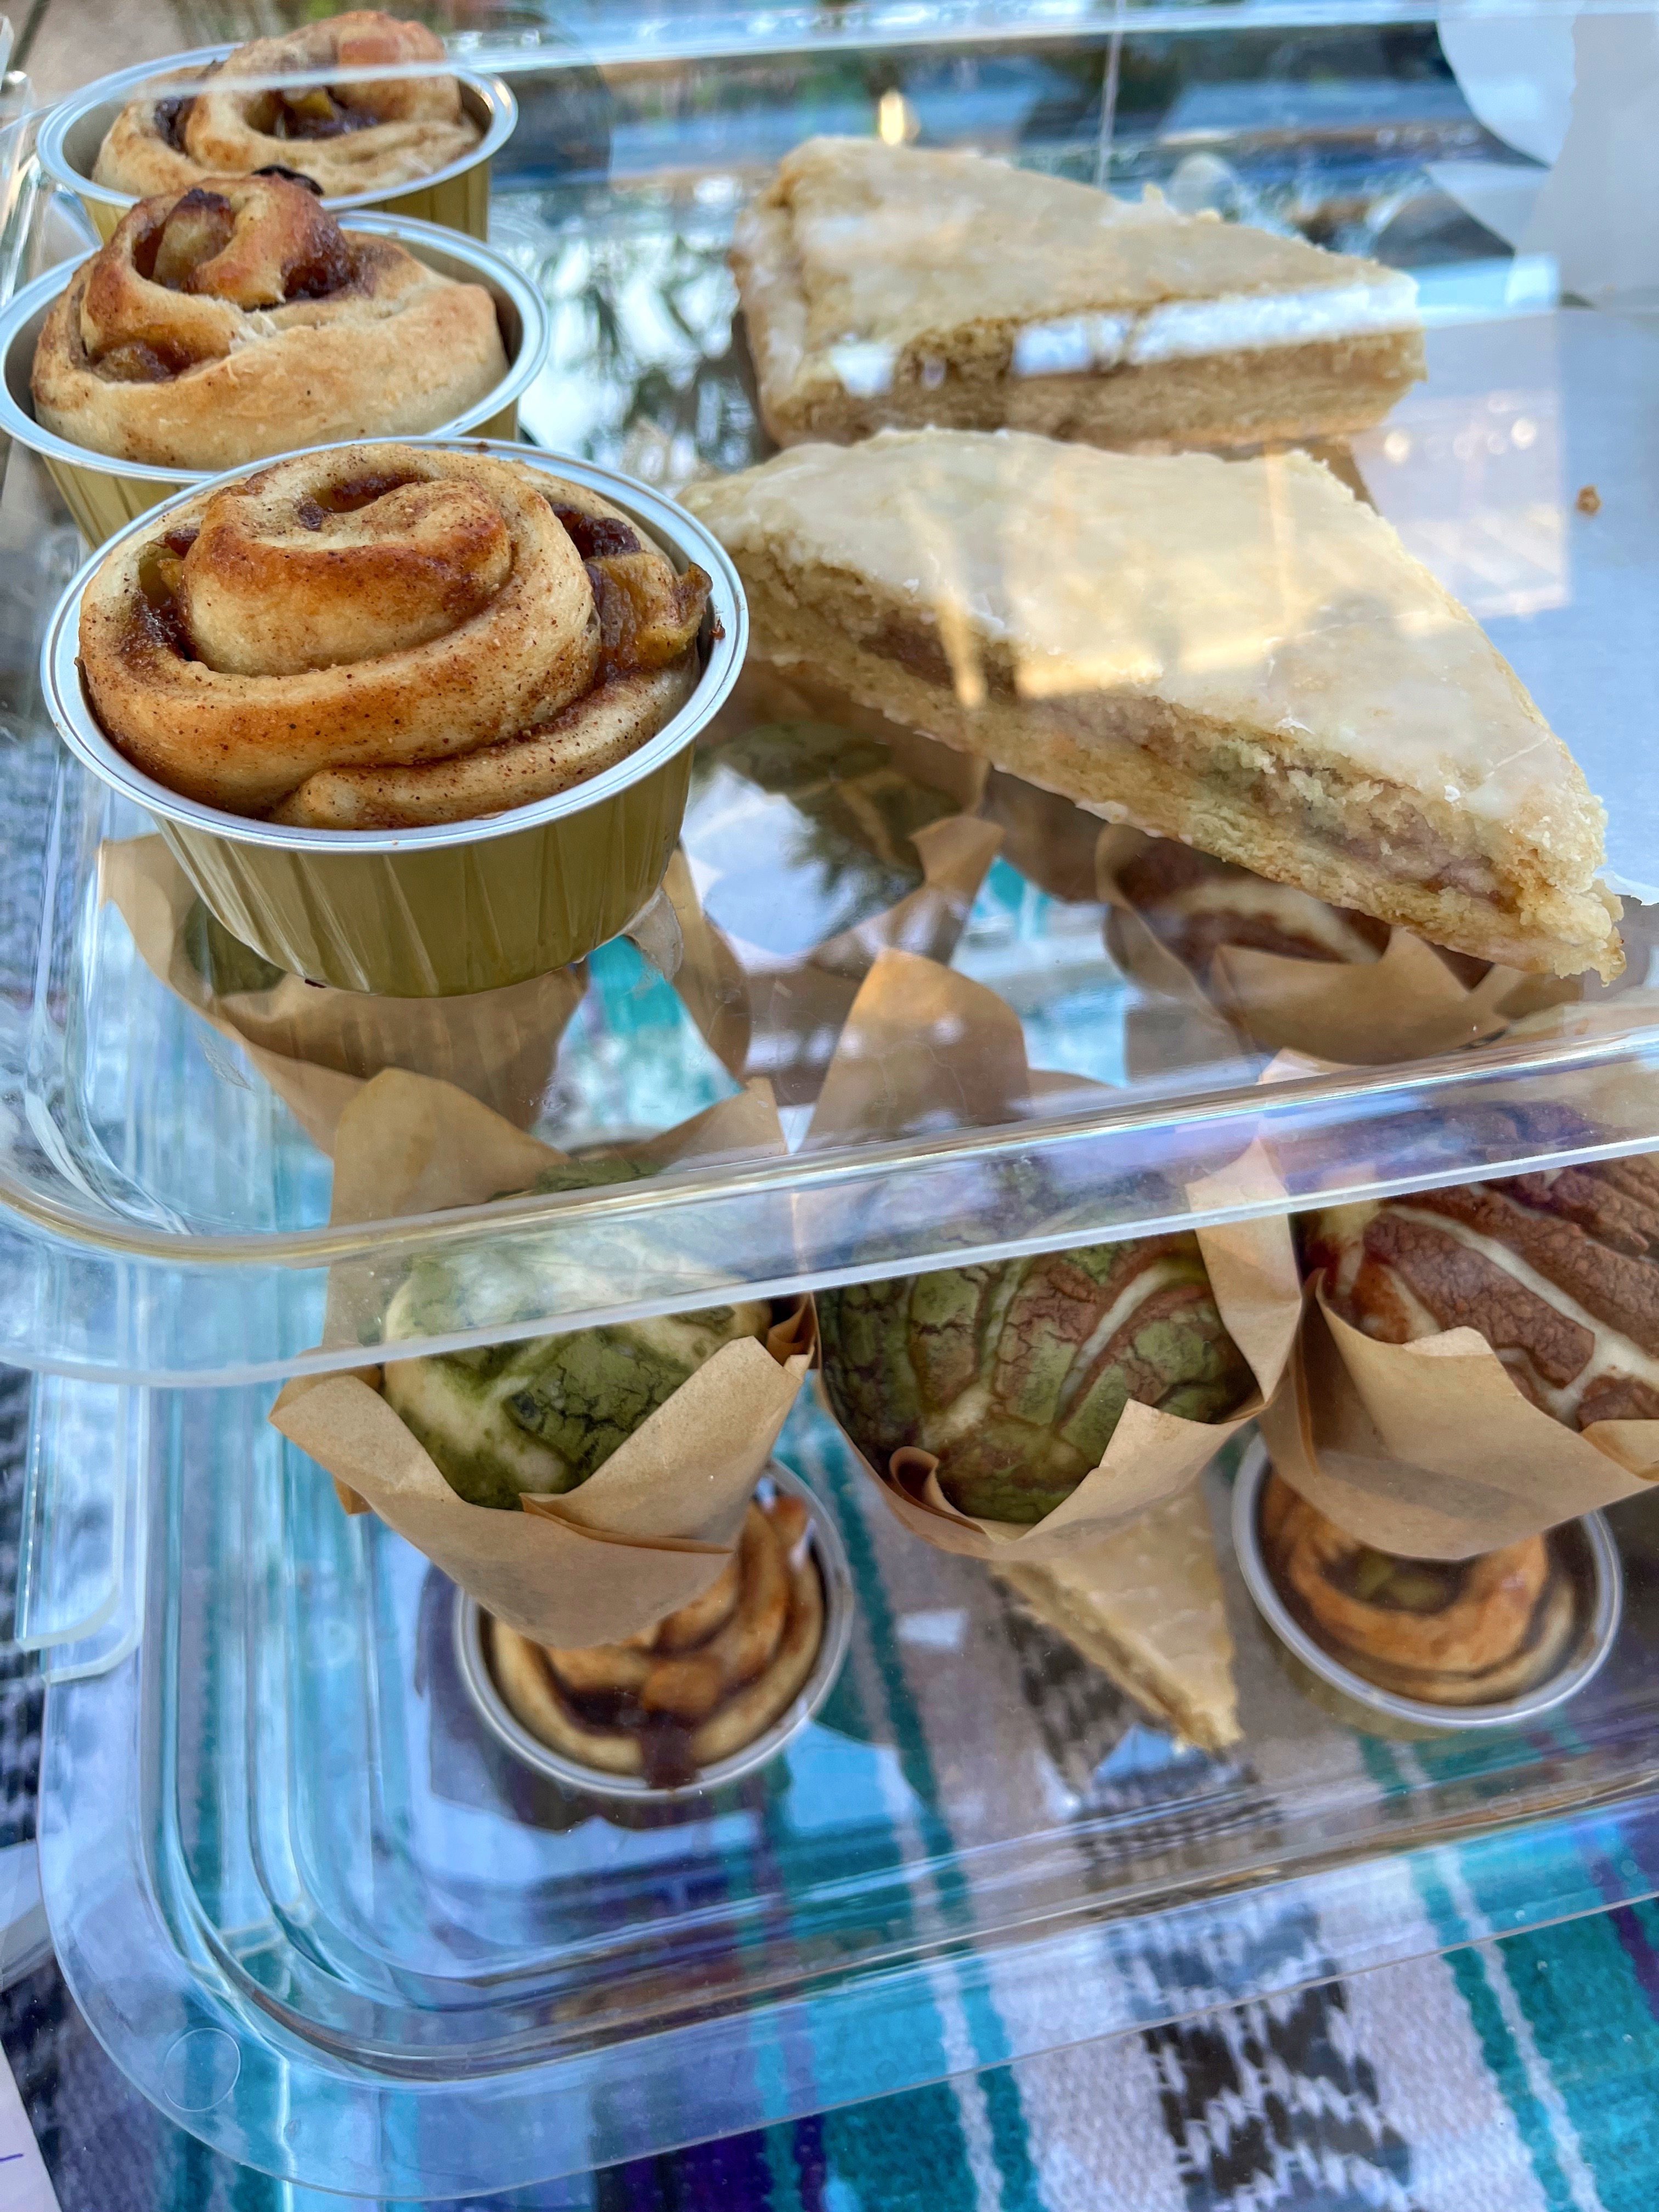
<point>166,1217</point>
<point>308,1906</point>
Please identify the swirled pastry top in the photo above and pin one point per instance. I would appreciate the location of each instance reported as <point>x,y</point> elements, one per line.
<point>239,320</point>
<point>379,636</point>
<point>359,137</point>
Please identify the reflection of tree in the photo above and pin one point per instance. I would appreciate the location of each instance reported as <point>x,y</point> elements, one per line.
<point>645,371</point>
<point>847,845</point>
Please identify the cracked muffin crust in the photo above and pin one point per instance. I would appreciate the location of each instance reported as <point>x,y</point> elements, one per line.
<point>1559,1270</point>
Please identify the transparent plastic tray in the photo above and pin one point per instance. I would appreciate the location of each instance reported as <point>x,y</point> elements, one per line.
<point>165,1217</point>
<point>328,1924</point>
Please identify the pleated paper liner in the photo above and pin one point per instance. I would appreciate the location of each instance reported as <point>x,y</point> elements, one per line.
<point>925,1047</point>
<point>1406,1005</point>
<point>777,1015</point>
<point>316,1047</point>
<point>1429,1450</point>
<point>652,1528</point>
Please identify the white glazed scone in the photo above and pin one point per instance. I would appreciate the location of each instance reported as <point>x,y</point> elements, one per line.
<point>1239,654</point>
<point>883,286</point>
<point>238,319</point>
<point>1145,1605</point>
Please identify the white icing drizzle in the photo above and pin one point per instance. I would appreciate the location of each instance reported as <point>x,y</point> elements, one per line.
<point>1134,1294</point>
<point>1614,1353</point>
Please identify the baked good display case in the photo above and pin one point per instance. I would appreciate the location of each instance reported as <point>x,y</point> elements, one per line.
<point>828,1084</point>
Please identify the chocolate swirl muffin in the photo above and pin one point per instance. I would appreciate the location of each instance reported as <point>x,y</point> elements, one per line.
<point>381,635</point>
<point>237,318</point>
<point>358,137</point>
<point>1559,1270</point>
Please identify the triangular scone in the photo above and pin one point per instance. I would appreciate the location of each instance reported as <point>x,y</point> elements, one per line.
<point>885,286</point>
<point>1145,1606</point>
<point>1239,654</point>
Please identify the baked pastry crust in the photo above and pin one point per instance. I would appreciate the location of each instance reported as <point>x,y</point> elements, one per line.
<point>1145,1605</point>
<point>1237,655</point>
<point>383,636</point>
<point>355,137</point>
<point>884,285</point>
<point>290,332</point>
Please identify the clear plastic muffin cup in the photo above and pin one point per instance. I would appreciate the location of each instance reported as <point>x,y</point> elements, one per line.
<point>455,906</point>
<point>456,198</point>
<point>104,492</point>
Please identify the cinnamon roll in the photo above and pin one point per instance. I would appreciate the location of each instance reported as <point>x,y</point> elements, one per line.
<point>379,636</point>
<point>698,1686</point>
<point>238,319</point>
<point>360,136</point>
<point>1469,1632</point>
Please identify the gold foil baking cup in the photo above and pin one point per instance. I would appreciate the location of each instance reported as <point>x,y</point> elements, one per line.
<point>457,197</point>
<point>456,906</point>
<point>105,494</point>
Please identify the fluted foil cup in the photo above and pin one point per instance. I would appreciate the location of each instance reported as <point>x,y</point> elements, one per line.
<point>457,197</point>
<point>104,493</point>
<point>454,906</point>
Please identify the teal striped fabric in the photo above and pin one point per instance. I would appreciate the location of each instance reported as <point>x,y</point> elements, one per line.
<point>1515,2074</point>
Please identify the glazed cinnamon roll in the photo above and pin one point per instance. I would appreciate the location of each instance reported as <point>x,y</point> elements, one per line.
<point>1469,1632</point>
<point>239,320</point>
<point>359,137</point>
<point>378,636</point>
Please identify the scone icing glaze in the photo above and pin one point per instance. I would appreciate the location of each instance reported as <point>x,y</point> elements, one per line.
<point>1558,1270</point>
<point>887,285</point>
<point>382,635</point>
<point>1472,1631</point>
<point>1237,655</point>
<point>237,320</point>
<point>357,136</point>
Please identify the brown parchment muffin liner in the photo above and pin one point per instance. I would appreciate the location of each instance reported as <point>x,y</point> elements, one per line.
<point>922,1040</point>
<point>1403,1005</point>
<point>765,1013</point>
<point>1429,1449</point>
<point>317,1047</point>
<point>655,1525</point>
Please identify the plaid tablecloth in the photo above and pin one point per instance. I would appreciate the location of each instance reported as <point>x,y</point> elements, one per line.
<point>1511,2075</point>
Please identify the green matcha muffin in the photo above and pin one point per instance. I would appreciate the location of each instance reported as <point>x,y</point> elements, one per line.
<point>543,1414</point>
<point>1014,1374</point>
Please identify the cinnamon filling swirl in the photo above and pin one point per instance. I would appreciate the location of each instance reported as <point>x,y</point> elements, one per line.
<point>358,135</point>
<point>238,319</point>
<point>382,636</point>
<point>1453,1632</point>
<point>697,1688</point>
